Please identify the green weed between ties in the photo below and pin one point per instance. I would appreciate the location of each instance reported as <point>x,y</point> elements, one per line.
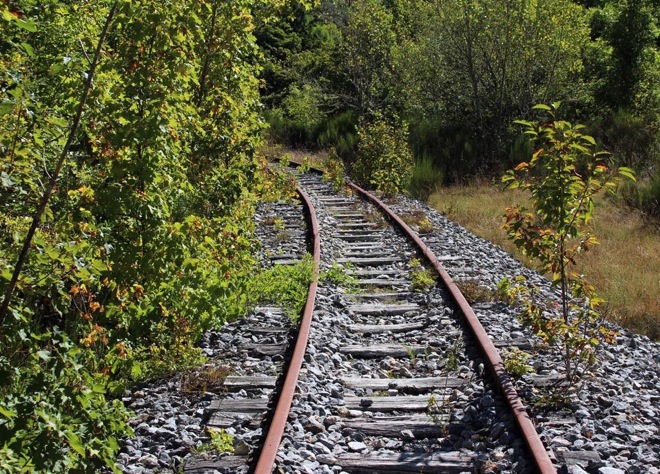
<point>284,285</point>
<point>220,442</point>
<point>421,278</point>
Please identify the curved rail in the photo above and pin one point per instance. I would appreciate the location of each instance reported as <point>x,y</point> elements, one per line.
<point>538,451</point>
<point>276,428</point>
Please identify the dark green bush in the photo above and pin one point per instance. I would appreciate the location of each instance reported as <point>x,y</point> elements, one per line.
<point>336,131</point>
<point>339,132</point>
<point>424,179</point>
<point>643,195</point>
<point>55,415</point>
<point>451,148</point>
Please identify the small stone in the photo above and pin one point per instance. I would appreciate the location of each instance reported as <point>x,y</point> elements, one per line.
<point>581,414</point>
<point>330,420</point>
<point>497,430</point>
<point>313,425</point>
<point>241,449</point>
<point>407,435</point>
<point>148,460</point>
<point>619,406</point>
<point>575,469</point>
<point>356,446</point>
<point>610,470</point>
<point>164,459</point>
<point>393,444</point>
<point>498,456</point>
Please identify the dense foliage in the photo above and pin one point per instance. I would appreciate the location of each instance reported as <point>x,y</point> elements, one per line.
<point>145,239</point>
<point>460,71</point>
<point>383,159</point>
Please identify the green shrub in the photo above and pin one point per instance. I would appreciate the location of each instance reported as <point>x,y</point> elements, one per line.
<point>425,178</point>
<point>334,171</point>
<point>337,275</point>
<point>55,415</point>
<point>338,132</point>
<point>515,362</point>
<point>383,158</point>
<point>562,177</point>
<point>220,442</point>
<point>450,147</point>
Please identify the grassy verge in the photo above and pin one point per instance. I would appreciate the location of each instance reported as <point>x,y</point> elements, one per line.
<point>275,151</point>
<point>624,268</point>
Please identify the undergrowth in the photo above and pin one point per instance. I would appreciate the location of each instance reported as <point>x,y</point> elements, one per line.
<point>283,285</point>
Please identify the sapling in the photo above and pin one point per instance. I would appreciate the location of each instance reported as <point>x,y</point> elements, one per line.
<point>563,175</point>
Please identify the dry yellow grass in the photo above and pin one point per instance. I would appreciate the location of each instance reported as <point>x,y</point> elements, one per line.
<point>624,268</point>
<point>275,152</point>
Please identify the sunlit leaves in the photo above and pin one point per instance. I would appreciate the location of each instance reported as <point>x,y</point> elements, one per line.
<point>563,176</point>
<point>384,161</point>
<point>147,239</point>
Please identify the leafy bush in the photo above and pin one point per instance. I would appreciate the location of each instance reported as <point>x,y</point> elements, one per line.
<point>147,237</point>
<point>451,148</point>
<point>383,159</point>
<point>334,171</point>
<point>338,132</point>
<point>317,130</point>
<point>55,415</point>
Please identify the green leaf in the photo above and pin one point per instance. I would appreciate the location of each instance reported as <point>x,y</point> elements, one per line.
<point>76,444</point>
<point>136,370</point>
<point>6,180</point>
<point>541,107</point>
<point>6,107</point>
<point>627,173</point>
<point>6,14</point>
<point>44,355</point>
<point>28,49</point>
<point>27,25</point>
<point>60,122</point>
<point>55,68</point>
<point>589,139</point>
<point>7,413</point>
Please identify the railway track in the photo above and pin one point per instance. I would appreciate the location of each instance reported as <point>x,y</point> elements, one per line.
<point>397,376</point>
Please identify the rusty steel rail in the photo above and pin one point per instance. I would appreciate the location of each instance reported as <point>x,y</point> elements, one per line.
<point>495,363</point>
<point>278,422</point>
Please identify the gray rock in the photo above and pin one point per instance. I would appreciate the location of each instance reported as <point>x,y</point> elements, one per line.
<point>610,470</point>
<point>356,446</point>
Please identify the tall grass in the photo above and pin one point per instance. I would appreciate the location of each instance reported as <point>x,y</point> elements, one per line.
<point>643,195</point>
<point>624,268</point>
